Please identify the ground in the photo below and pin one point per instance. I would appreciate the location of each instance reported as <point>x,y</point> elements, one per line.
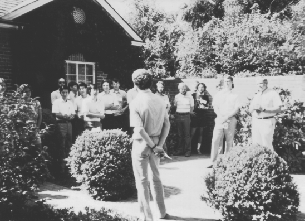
<point>183,181</point>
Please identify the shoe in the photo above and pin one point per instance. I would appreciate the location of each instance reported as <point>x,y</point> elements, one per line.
<point>166,216</point>
<point>177,154</point>
<point>211,166</point>
<point>187,154</point>
<point>198,150</point>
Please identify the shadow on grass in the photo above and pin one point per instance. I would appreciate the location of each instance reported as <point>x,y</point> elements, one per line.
<point>52,196</point>
<point>178,218</point>
<point>193,157</point>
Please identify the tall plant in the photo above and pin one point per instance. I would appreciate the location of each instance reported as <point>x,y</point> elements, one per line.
<point>23,164</point>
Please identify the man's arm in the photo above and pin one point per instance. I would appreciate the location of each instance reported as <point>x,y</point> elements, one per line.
<point>164,131</point>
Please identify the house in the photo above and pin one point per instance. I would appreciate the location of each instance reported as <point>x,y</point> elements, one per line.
<point>79,40</point>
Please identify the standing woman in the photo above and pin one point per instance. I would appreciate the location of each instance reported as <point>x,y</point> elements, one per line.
<point>35,117</point>
<point>199,120</point>
<point>111,106</point>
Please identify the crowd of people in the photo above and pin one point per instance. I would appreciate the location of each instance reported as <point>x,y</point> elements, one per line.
<point>145,115</point>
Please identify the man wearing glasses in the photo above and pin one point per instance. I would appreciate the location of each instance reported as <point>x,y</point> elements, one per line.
<point>56,94</point>
<point>264,106</point>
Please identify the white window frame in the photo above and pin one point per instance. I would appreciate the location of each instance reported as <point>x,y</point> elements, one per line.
<point>77,63</point>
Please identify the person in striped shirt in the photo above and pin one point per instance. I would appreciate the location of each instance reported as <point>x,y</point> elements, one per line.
<point>184,104</point>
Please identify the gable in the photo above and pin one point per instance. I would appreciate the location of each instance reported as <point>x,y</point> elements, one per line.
<point>11,9</point>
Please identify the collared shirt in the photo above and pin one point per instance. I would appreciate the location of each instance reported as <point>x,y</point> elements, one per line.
<point>165,98</point>
<point>108,99</point>
<point>269,98</point>
<point>184,103</point>
<point>63,107</point>
<point>72,97</point>
<point>131,94</point>
<point>225,102</point>
<point>55,95</point>
<point>95,106</point>
<point>147,110</point>
<point>82,104</point>
<point>120,95</point>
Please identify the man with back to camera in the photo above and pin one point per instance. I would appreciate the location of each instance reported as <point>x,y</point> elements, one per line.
<point>56,94</point>
<point>150,120</point>
<point>264,106</point>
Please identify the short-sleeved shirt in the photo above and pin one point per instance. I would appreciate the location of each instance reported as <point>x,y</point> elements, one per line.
<point>131,94</point>
<point>82,104</point>
<point>120,95</point>
<point>63,107</point>
<point>225,102</point>
<point>268,99</point>
<point>95,106</point>
<point>184,103</point>
<point>107,99</point>
<point>55,95</point>
<point>165,98</point>
<point>147,110</point>
<point>72,97</point>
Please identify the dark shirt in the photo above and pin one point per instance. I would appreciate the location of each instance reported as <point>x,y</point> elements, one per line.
<point>201,103</point>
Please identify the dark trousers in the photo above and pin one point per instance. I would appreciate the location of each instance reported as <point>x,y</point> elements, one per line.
<point>64,140</point>
<point>183,123</point>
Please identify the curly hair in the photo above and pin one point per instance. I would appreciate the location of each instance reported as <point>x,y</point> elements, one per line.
<point>142,78</point>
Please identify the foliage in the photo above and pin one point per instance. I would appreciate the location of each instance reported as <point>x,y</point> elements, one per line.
<point>249,42</point>
<point>101,161</point>
<point>23,164</point>
<point>288,131</point>
<point>38,211</point>
<point>252,183</point>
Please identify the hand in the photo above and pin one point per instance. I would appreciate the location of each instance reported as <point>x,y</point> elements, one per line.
<point>158,150</point>
<point>193,113</point>
<point>259,110</point>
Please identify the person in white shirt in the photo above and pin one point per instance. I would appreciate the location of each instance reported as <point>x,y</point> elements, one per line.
<point>226,105</point>
<point>184,104</point>
<point>122,114</point>
<point>56,94</point>
<point>65,112</point>
<point>112,106</point>
<point>82,108</point>
<point>160,93</point>
<point>96,109</point>
<point>264,106</point>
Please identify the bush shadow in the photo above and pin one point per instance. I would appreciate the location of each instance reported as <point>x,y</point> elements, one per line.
<point>179,218</point>
<point>52,197</point>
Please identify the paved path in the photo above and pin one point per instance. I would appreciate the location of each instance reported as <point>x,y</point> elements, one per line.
<point>183,181</point>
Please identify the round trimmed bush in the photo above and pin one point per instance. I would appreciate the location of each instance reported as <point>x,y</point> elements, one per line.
<point>101,161</point>
<point>252,183</point>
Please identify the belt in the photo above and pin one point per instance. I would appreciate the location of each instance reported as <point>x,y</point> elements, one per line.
<point>264,117</point>
<point>63,121</point>
<point>182,113</point>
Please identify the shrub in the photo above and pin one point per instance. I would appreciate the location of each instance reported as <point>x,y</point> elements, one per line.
<point>23,165</point>
<point>252,183</point>
<point>101,161</point>
<point>289,134</point>
<point>37,211</point>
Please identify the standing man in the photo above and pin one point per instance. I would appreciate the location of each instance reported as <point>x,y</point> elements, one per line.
<point>184,104</point>
<point>96,109</point>
<point>160,93</point>
<point>226,105</point>
<point>56,94</point>
<point>65,112</point>
<point>264,106</point>
<point>121,115</point>
<point>73,87</point>
<point>151,125</point>
<point>82,108</point>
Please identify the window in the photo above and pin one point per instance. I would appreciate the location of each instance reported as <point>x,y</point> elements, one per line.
<point>80,72</point>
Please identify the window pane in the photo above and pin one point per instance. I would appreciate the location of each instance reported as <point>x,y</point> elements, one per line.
<point>81,69</point>
<point>71,68</point>
<point>89,80</point>
<point>71,78</point>
<point>89,69</point>
<point>81,78</point>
